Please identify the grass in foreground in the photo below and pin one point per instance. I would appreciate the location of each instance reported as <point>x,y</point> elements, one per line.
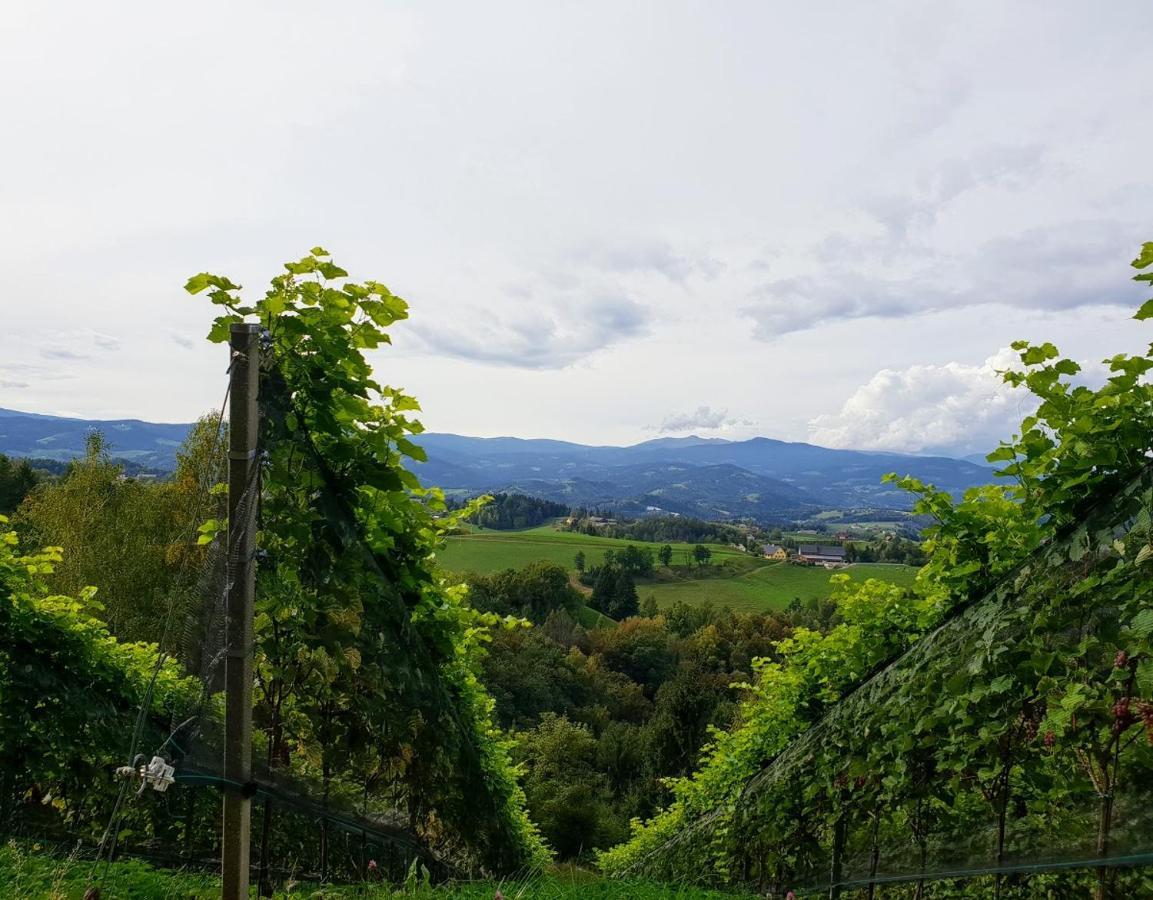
<point>30,874</point>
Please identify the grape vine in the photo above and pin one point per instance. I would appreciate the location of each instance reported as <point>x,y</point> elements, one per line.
<point>1003,705</point>
<point>363,652</point>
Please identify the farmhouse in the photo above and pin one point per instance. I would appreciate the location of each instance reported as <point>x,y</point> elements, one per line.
<point>828,555</point>
<point>772,551</point>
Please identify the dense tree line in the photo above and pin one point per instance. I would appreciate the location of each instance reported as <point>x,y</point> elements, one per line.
<point>17,478</point>
<point>614,592</point>
<point>613,582</point>
<point>890,550</point>
<point>532,593</point>
<point>661,529</point>
<point>509,512</point>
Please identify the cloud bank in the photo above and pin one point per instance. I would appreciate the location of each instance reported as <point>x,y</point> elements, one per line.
<point>952,408</point>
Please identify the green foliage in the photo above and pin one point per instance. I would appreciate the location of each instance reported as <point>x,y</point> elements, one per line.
<point>642,696</point>
<point>614,591</point>
<point>1020,677</point>
<point>364,655</point>
<point>69,694</point>
<point>510,512</point>
<point>569,797</point>
<point>533,592</point>
<point>660,529</point>
<point>786,695</point>
<point>133,539</point>
<point>17,478</point>
<point>28,872</point>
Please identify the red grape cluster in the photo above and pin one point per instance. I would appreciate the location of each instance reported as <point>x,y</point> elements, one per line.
<point>1122,715</point>
<point>1121,660</point>
<point>1050,739</point>
<point>1145,710</point>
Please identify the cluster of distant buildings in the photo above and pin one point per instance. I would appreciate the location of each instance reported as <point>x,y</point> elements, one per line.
<point>831,556</point>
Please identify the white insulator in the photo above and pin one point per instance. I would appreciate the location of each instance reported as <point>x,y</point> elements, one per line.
<point>158,774</point>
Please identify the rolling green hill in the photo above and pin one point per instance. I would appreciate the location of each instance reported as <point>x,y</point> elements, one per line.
<point>491,551</point>
<point>767,585</point>
<point>736,579</point>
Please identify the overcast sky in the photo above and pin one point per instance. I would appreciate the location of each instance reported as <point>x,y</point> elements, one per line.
<point>612,220</point>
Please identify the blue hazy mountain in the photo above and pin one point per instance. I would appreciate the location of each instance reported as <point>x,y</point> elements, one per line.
<point>708,477</point>
<point>761,477</point>
<point>60,438</point>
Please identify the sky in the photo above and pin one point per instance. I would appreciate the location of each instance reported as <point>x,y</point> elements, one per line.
<point>612,221</point>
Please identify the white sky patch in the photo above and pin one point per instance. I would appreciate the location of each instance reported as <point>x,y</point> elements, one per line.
<point>592,234</point>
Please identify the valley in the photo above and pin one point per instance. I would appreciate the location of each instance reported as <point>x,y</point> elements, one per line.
<point>734,578</point>
<point>767,481</point>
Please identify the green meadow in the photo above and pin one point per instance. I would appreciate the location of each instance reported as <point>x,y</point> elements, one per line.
<point>735,579</point>
<point>767,585</point>
<point>491,551</point>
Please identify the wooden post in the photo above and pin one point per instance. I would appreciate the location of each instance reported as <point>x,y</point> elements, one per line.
<point>840,827</point>
<point>243,429</point>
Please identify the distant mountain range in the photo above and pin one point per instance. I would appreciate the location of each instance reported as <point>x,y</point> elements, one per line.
<point>711,478</point>
<point>759,478</point>
<point>59,438</point>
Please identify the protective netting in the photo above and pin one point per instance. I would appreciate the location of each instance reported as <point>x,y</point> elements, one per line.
<point>1004,753</point>
<point>172,707</point>
<point>302,826</point>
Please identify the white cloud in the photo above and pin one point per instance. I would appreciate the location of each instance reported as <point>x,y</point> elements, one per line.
<point>1067,265</point>
<point>954,408</point>
<point>549,336</point>
<point>703,418</point>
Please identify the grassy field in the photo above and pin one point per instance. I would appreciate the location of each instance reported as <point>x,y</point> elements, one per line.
<point>32,875</point>
<point>739,580</point>
<point>768,585</point>
<point>492,551</point>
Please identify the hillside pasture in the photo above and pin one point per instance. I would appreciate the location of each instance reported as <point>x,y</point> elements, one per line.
<point>487,551</point>
<point>770,585</point>
<point>739,580</point>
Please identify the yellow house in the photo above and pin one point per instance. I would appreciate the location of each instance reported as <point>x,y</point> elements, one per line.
<point>772,551</point>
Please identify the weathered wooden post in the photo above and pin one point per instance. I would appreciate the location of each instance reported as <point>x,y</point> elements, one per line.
<point>243,430</point>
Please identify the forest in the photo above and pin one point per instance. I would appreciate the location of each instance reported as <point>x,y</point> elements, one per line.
<point>660,529</point>
<point>509,512</point>
<point>943,736</point>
